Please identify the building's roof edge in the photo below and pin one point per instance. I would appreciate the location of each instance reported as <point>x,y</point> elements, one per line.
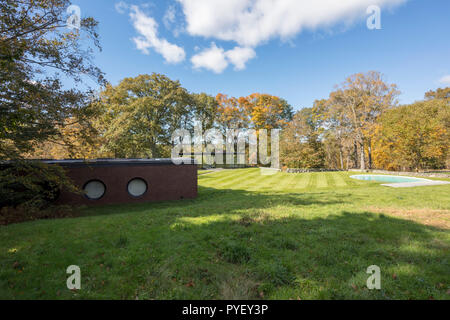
<point>113,162</point>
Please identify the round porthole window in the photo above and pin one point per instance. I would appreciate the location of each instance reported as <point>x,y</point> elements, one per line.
<point>94,189</point>
<point>137,187</point>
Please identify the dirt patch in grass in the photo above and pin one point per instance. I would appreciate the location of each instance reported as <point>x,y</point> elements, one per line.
<point>238,287</point>
<point>429,217</point>
<point>256,217</point>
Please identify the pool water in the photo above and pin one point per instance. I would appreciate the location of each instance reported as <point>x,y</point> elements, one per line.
<point>384,178</point>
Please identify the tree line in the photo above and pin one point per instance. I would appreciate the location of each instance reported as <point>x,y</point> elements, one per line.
<point>360,124</point>
<point>137,117</point>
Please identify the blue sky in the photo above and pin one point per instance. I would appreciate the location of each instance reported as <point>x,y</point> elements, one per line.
<point>293,49</point>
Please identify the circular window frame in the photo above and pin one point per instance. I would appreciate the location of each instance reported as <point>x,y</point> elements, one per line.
<point>94,180</point>
<point>146,187</point>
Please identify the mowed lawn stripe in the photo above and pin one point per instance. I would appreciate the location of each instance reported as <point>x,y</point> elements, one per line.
<point>296,178</point>
<point>253,181</point>
<point>330,179</point>
<point>286,183</point>
<point>223,178</point>
<point>275,181</point>
<point>350,181</point>
<point>338,179</point>
<point>242,180</point>
<point>302,180</point>
<point>263,182</point>
<point>322,180</point>
<point>234,179</point>
<point>271,181</point>
<point>312,181</point>
<point>216,176</point>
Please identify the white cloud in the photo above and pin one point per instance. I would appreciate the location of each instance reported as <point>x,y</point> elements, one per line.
<point>217,59</point>
<point>445,79</point>
<point>121,7</point>
<point>212,59</point>
<point>248,23</point>
<point>169,17</point>
<point>252,22</point>
<point>147,27</point>
<point>239,56</point>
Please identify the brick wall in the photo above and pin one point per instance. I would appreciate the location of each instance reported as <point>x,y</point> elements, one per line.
<point>164,181</point>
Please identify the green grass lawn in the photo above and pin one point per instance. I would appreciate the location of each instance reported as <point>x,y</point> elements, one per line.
<point>246,236</point>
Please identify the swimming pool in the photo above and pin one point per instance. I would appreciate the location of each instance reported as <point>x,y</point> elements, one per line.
<point>385,178</point>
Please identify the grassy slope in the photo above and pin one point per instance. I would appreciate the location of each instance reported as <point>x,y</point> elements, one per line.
<point>308,236</point>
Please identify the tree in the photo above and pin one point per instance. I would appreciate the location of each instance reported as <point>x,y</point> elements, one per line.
<point>265,111</point>
<point>36,50</point>
<point>256,111</point>
<point>441,93</point>
<point>205,110</point>
<point>301,146</point>
<point>140,114</point>
<point>34,41</point>
<point>338,139</point>
<point>357,104</point>
<point>413,136</point>
<point>74,141</point>
<point>231,113</point>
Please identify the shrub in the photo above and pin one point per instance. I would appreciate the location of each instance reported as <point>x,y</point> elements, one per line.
<point>31,183</point>
<point>25,212</point>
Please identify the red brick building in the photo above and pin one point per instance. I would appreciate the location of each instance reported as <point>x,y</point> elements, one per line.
<point>116,181</point>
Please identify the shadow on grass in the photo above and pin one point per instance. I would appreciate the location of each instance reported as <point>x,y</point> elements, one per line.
<point>327,257</point>
<point>230,245</point>
<point>223,200</point>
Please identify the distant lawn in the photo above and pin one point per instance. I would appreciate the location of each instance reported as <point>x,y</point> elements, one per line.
<point>247,236</point>
<point>201,172</point>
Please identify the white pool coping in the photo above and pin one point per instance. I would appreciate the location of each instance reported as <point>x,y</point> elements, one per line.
<point>416,184</point>
<point>390,176</point>
<point>421,182</point>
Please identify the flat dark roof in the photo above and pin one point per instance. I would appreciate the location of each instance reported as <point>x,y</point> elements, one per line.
<point>113,162</point>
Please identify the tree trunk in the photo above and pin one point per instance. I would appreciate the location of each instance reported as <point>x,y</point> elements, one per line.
<point>363,156</point>
<point>355,155</point>
<point>369,149</point>
<point>341,159</point>
<point>154,149</point>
